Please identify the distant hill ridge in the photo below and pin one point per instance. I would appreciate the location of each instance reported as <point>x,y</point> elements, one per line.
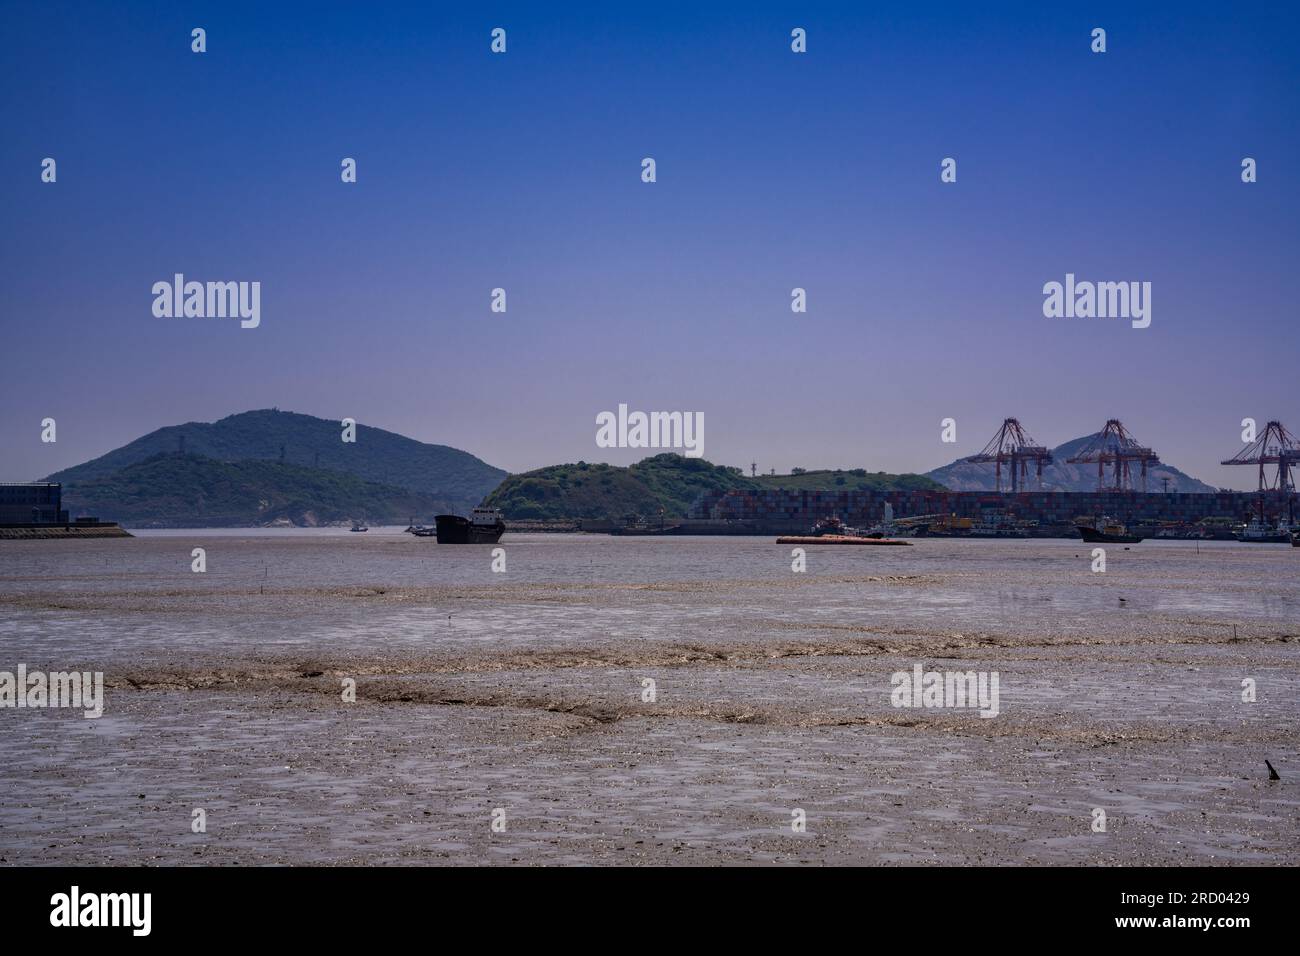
<point>962,475</point>
<point>231,473</point>
<point>378,456</point>
<point>665,483</point>
<point>192,491</point>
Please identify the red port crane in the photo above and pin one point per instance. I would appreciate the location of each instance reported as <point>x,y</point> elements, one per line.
<point>1276,446</point>
<point>1114,446</point>
<point>1013,446</point>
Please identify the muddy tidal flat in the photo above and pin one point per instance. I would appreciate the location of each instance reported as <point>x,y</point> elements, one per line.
<point>649,701</point>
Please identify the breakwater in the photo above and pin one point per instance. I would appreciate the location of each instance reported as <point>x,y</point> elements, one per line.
<point>32,532</point>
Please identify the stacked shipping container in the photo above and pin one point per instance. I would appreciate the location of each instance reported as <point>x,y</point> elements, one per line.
<point>1047,507</point>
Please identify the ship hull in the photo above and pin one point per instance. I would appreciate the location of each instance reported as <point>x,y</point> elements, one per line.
<point>838,539</point>
<point>1093,536</point>
<point>453,529</point>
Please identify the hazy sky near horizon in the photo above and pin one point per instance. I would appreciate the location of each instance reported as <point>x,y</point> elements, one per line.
<point>775,170</point>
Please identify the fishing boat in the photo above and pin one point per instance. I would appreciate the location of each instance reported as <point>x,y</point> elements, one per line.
<point>887,528</point>
<point>358,526</point>
<point>832,530</point>
<point>483,526</point>
<point>947,526</point>
<point>1104,530</point>
<point>834,527</point>
<point>635,525</point>
<point>1258,532</point>
<point>998,524</point>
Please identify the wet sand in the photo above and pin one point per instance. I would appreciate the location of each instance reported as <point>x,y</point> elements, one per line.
<point>523,691</point>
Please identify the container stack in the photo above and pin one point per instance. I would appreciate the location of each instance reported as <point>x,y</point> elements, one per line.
<point>1046,507</point>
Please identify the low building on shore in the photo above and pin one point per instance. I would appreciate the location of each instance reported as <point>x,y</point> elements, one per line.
<point>34,509</point>
<point>32,503</point>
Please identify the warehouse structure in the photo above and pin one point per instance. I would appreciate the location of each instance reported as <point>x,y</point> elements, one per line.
<point>31,503</point>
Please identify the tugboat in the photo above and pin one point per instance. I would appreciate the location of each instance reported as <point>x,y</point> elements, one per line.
<point>1105,530</point>
<point>483,526</point>
<point>1257,532</point>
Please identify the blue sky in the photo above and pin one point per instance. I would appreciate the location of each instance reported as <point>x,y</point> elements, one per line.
<point>775,170</point>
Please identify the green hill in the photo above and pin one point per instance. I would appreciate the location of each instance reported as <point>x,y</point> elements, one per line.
<point>855,479</point>
<point>377,456</point>
<point>669,482</point>
<point>189,491</point>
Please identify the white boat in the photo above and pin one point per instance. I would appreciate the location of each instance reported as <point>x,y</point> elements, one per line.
<point>998,524</point>
<point>1257,532</point>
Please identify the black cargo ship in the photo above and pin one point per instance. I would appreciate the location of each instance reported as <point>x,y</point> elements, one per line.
<point>483,526</point>
<point>1105,531</point>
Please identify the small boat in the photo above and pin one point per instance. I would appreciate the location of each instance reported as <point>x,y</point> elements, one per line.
<point>483,526</point>
<point>887,528</point>
<point>357,526</point>
<point>834,531</point>
<point>948,526</point>
<point>1257,532</point>
<point>1215,529</point>
<point>423,531</point>
<point>1104,530</point>
<point>1295,539</point>
<point>998,524</point>
<point>635,525</point>
<point>834,527</point>
<point>838,539</point>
